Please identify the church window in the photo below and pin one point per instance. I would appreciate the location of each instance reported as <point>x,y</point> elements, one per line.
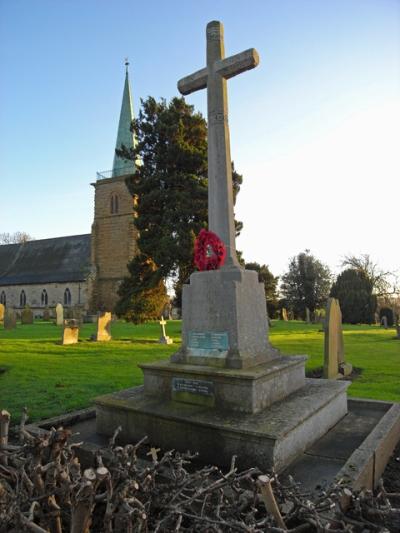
<point>45,298</point>
<point>114,204</point>
<point>67,297</point>
<point>3,299</point>
<point>22,299</point>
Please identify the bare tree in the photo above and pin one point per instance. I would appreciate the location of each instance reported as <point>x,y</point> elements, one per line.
<point>376,276</point>
<point>15,238</point>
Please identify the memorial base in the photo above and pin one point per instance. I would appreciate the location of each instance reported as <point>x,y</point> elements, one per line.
<point>244,390</point>
<point>271,438</point>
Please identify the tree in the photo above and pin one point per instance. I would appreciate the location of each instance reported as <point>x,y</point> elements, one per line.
<point>15,238</point>
<point>142,294</point>
<point>377,278</point>
<point>270,285</point>
<point>354,290</point>
<point>306,284</point>
<point>170,185</point>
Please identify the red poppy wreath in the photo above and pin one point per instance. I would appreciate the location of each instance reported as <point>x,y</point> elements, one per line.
<point>209,251</point>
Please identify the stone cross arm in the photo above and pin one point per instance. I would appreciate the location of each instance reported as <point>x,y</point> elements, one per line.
<point>226,68</point>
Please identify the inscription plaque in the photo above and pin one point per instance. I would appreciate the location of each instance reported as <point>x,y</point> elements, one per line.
<point>194,391</point>
<point>194,386</point>
<point>208,343</point>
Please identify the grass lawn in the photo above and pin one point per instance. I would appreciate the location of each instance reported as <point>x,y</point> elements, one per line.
<point>51,379</point>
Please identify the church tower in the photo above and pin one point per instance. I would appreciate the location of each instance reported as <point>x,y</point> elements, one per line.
<point>113,231</point>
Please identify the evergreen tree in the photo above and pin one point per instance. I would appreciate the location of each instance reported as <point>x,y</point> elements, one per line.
<point>142,294</point>
<point>354,290</point>
<point>169,187</point>
<point>270,282</point>
<point>306,284</point>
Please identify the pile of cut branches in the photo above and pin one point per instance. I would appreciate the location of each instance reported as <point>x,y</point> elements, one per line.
<point>43,488</point>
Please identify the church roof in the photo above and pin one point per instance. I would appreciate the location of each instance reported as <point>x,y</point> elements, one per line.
<point>125,136</point>
<point>61,259</point>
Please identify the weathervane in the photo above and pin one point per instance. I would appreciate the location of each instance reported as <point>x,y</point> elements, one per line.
<point>126,63</point>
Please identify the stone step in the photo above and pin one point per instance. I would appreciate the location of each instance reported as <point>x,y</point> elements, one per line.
<point>271,438</point>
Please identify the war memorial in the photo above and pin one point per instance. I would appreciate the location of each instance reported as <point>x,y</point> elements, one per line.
<point>227,391</point>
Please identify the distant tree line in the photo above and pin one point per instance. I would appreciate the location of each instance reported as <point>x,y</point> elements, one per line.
<point>15,238</point>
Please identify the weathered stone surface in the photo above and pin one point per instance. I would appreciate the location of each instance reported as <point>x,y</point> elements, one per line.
<point>308,316</point>
<point>164,339</point>
<point>2,312</point>
<point>70,332</point>
<point>384,322</point>
<point>104,326</point>
<point>213,77</point>
<point>27,316</point>
<point>230,302</point>
<point>59,314</point>
<point>10,319</point>
<point>243,390</point>
<point>284,315</point>
<point>46,314</point>
<point>334,364</point>
<point>271,438</point>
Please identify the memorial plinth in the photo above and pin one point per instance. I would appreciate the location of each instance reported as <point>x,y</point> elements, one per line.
<point>227,391</point>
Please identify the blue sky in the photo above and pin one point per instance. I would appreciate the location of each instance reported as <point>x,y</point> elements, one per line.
<point>314,129</point>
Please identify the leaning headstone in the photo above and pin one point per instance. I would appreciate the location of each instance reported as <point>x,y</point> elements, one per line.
<point>284,315</point>
<point>334,364</point>
<point>308,316</point>
<point>27,316</point>
<point>384,321</point>
<point>2,311</point>
<point>10,319</point>
<point>70,332</point>
<point>104,326</point>
<point>164,339</point>
<point>59,315</point>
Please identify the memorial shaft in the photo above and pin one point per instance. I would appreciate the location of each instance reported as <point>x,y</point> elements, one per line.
<point>220,190</point>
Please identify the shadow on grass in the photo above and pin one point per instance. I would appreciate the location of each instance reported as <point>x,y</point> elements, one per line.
<point>319,371</point>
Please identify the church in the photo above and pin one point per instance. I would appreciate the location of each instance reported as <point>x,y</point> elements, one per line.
<point>81,271</point>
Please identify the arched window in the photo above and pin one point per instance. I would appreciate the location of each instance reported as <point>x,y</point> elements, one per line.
<point>3,299</point>
<point>67,297</point>
<point>22,299</point>
<point>45,298</point>
<point>114,204</point>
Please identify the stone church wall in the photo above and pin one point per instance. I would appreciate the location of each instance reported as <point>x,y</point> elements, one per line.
<point>55,294</point>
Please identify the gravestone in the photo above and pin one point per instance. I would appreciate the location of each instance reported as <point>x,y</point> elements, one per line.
<point>334,364</point>
<point>27,316</point>
<point>103,326</point>
<point>398,331</point>
<point>308,316</point>
<point>46,314</point>
<point>10,319</point>
<point>284,315</point>
<point>2,311</point>
<point>164,339</point>
<point>70,331</point>
<point>384,322</point>
<point>226,391</point>
<point>59,315</point>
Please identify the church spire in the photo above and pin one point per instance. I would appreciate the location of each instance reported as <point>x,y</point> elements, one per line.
<point>125,136</point>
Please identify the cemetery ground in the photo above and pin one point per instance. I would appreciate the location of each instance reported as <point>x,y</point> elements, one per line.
<point>51,379</point>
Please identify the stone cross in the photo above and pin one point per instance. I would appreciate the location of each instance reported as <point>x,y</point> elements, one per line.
<point>162,324</point>
<point>164,339</point>
<point>219,69</point>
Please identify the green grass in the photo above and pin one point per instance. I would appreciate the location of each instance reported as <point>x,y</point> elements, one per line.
<point>51,379</point>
